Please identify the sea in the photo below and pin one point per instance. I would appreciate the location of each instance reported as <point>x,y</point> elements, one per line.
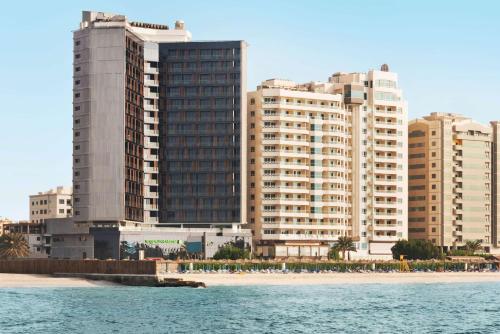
<point>370,308</point>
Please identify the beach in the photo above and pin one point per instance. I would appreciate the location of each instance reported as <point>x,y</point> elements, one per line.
<point>228,279</point>
<point>45,281</point>
<point>242,279</point>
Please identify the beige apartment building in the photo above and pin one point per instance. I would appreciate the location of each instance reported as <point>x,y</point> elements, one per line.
<point>327,160</point>
<point>452,180</point>
<point>55,203</point>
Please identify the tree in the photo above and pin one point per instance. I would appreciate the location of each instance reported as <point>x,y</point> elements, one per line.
<point>344,244</point>
<point>415,250</point>
<point>230,251</point>
<point>473,246</point>
<point>13,245</point>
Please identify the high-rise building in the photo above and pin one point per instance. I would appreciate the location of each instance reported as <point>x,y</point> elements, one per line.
<point>202,145</point>
<point>328,160</point>
<point>115,114</point>
<point>452,180</point>
<point>157,125</point>
<point>55,203</point>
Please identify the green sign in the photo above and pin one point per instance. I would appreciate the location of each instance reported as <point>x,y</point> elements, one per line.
<point>156,242</point>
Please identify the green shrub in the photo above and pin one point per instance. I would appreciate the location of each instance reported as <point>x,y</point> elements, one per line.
<point>415,250</point>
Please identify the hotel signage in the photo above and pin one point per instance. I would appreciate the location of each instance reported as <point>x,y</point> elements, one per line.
<point>162,242</point>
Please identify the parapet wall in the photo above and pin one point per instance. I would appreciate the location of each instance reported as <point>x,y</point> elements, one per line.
<point>51,266</point>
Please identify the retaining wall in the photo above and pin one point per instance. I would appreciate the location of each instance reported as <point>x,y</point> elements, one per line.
<point>51,266</point>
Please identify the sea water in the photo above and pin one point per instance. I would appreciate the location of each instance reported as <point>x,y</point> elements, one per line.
<point>369,308</point>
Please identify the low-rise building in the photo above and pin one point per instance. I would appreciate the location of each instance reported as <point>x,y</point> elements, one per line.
<point>4,221</point>
<point>124,241</point>
<point>35,235</point>
<point>67,240</point>
<point>55,203</point>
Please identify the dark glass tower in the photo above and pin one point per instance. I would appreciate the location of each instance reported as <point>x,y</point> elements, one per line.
<point>202,142</point>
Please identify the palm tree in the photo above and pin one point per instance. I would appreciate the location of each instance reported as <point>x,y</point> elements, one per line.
<point>473,246</point>
<point>13,245</point>
<point>344,244</point>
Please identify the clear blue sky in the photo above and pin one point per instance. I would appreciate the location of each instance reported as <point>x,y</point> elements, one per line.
<point>447,54</point>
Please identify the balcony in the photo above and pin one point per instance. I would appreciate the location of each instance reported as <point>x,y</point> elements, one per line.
<point>151,144</point>
<point>393,238</point>
<point>151,133</point>
<point>150,120</point>
<point>150,170</point>
<point>301,237</point>
<point>148,82</point>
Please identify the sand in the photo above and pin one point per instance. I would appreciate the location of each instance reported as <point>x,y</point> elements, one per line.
<point>44,281</point>
<point>214,279</point>
<point>218,279</point>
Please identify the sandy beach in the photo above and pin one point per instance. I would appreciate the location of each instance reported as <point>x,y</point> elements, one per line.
<point>44,281</point>
<point>214,279</point>
<point>238,279</point>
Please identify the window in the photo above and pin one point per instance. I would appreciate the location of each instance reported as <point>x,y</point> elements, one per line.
<point>77,56</point>
<point>61,210</point>
<point>77,95</point>
<point>416,133</point>
<point>77,69</point>
<point>77,108</point>
<point>77,134</point>
<point>77,147</point>
<point>77,82</point>
<point>61,201</point>
<point>77,43</point>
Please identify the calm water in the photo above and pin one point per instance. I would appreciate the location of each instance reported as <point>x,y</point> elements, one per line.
<point>417,308</point>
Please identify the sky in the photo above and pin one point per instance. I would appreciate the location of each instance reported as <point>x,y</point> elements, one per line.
<point>446,53</point>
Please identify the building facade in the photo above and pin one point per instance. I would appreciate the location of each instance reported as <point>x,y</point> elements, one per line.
<point>202,144</point>
<point>452,180</point>
<point>55,203</point>
<point>327,160</point>
<point>4,221</point>
<point>34,233</point>
<point>157,125</point>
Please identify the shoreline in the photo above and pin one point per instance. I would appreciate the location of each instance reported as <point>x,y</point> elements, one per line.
<point>263,279</point>
<point>242,279</point>
<point>48,281</point>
